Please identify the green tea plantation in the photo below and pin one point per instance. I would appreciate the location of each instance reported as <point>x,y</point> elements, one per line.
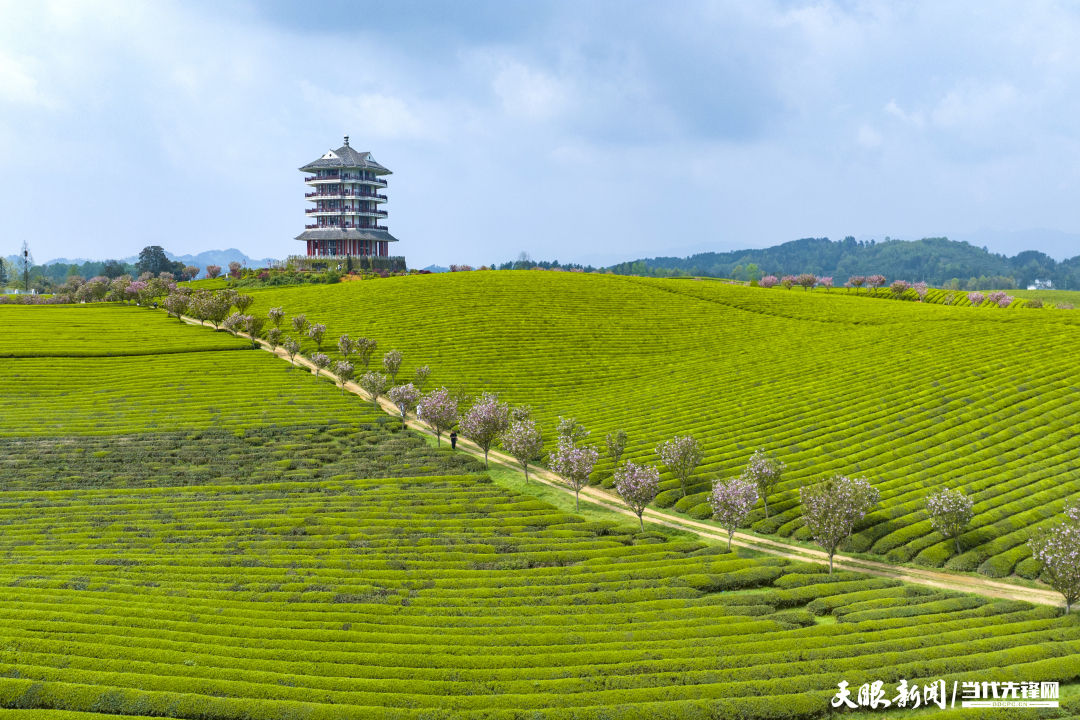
<point>912,396</point>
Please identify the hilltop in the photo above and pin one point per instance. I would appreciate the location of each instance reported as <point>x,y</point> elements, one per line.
<point>933,260</point>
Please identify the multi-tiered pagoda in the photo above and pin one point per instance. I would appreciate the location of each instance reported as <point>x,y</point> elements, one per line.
<point>345,219</point>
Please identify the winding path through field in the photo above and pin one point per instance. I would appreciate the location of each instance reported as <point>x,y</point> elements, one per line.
<point>610,501</point>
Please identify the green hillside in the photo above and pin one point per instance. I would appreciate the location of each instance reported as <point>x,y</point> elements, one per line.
<point>933,260</point>
<point>913,396</point>
<point>452,597</point>
<point>213,534</point>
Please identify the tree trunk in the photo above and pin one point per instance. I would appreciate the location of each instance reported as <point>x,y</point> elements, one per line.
<point>485,458</point>
<point>641,521</point>
<point>730,534</point>
<point>765,500</point>
<point>526,466</point>
<point>957,538</point>
<point>577,504</point>
<point>830,563</point>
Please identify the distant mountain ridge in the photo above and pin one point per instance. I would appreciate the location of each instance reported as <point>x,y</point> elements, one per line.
<point>934,260</point>
<point>209,257</point>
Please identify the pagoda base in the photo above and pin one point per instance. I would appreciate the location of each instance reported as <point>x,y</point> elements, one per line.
<point>342,263</point>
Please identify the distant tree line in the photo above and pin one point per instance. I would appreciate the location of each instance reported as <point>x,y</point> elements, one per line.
<point>938,261</point>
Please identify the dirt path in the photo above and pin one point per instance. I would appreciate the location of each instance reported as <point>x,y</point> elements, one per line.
<point>610,501</point>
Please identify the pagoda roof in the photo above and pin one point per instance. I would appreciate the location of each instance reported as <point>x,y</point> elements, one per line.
<point>346,234</point>
<point>347,157</point>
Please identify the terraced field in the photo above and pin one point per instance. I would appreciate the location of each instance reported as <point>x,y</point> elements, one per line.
<point>100,330</point>
<point>452,597</point>
<point>913,396</point>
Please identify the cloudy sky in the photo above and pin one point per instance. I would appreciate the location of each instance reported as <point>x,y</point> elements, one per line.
<point>577,131</point>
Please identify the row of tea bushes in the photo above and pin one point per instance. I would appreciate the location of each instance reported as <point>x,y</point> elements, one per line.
<point>403,597</point>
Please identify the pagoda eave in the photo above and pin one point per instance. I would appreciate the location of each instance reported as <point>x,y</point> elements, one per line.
<point>346,234</point>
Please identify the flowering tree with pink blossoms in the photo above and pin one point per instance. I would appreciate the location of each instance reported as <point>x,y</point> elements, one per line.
<point>976,298</point>
<point>571,429</point>
<point>365,348</point>
<point>637,485</point>
<point>233,323</point>
<point>253,325</point>
<point>826,282</point>
<point>616,444</point>
<point>243,302</point>
<point>875,281</point>
<point>764,471</point>
<point>857,281</point>
<point>1072,512</point>
<point>899,287</point>
<point>273,339</point>
<point>405,397</point>
<point>524,441</point>
<point>343,371</point>
<point>292,347</point>
<point>135,290</point>
<point>345,346</point>
<point>787,282</point>
<point>732,502</point>
<point>950,512</point>
<point>300,324</point>
<point>374,385</point>
<point>768,281</point>
<point>420,377</point>
<point>574,463</point>
<point>485,421</point>
<point>1058,549</point>
<point>176,304</point>
<point>317,332</point>
<point>921,289</point>
<point>832,508</point>
<point>212,271</point>
<point>1000,298</point>
<point>391,362</point>
<point>806,281</point>
<point>276,315</point>
<point>682,454</point>
<point>320,361</point>
<point>439,409</point>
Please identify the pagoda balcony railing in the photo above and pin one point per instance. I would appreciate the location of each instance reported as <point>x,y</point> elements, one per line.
<point>345,211</point>
<point>344,193</point>
<point>346,226</point>
<point>346,178</point>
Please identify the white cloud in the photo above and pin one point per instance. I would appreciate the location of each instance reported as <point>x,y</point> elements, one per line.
<point>529,94</point>
<point>980,105</point>
<point>380,116</point>
<point>17,85</point>
<point>869,137</point>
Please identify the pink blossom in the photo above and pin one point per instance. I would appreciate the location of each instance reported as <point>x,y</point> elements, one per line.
<point>732,502</point>
<point>950,512</point>
<point>831,509</point>
<point>637,485</point>
<point>768,281</point>
<point>764,472</point>
<point>439,409</point>
<point>485,421</point>
<point>574,463</point>
<point>682,454</point>
<point>826,282</point>
<point>1058,549</point>
<point>976,298</point>
<point>524,441</point>
<point>405,397</point>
